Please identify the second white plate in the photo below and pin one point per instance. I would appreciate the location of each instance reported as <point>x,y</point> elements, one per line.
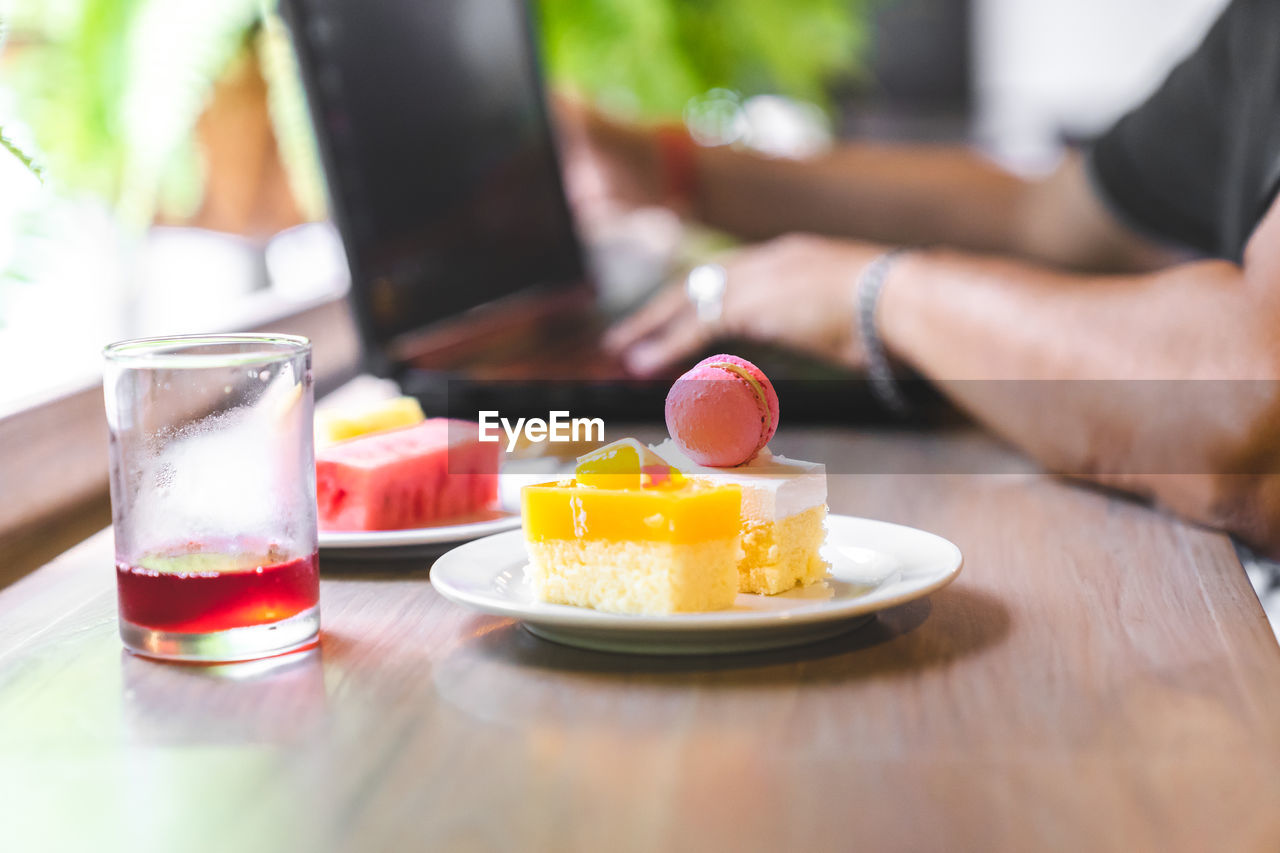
<point>396,543</point>
<point>874,565</point>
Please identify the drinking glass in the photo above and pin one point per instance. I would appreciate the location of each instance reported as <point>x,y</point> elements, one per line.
<point>213,495</point>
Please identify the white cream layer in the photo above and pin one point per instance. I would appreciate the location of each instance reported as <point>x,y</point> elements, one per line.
<point>773,487</point>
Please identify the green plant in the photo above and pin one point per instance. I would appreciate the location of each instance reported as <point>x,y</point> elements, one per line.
<point>113,88</point>
<point>649,57</point>
<point>23,157</point>
<point>5,142</point>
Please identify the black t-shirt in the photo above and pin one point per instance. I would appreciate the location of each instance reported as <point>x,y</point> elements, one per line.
<point>1198,163</point>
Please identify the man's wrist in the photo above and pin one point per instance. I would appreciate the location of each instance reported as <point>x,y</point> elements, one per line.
<point>869,289</point>
<point>677,166</point>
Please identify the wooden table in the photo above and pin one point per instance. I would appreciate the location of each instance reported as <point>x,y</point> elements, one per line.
<point>1101,677</point>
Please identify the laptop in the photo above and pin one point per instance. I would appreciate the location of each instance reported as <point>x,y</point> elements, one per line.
<point>467,276</point>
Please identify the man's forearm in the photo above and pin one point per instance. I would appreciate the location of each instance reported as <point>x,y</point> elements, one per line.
<point>921,195</point>
<point>890,194</point>
<point>1162,384</point>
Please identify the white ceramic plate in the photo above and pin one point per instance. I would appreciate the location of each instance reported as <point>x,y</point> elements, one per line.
<point>874,565</point>
<point>400,543</point>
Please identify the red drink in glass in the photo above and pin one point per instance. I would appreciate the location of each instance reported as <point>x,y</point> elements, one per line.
<point>198,590</point>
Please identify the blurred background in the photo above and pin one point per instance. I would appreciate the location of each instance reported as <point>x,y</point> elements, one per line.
<point>158,172</point>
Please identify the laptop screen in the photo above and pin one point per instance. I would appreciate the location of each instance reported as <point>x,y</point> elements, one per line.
<point>442,172</point>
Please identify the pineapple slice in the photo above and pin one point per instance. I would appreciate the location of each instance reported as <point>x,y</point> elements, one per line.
<point>626,464</point>
<point>335,426</point>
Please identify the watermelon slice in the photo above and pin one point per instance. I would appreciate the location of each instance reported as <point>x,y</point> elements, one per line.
<point>406,478</point>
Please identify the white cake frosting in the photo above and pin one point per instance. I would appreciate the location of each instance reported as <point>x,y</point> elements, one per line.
<point>773,487</point>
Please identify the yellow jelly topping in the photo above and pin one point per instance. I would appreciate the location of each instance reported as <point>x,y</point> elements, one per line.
<point>626,464</point>
<point>626,492</point>
<point>683,514</point>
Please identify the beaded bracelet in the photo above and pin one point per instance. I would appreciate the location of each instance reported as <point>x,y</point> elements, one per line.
<point>868,286</point>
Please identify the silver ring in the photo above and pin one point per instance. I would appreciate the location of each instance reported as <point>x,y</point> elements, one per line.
<point>705,288</point>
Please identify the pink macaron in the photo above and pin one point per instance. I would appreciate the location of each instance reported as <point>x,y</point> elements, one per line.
<point>722,412</point>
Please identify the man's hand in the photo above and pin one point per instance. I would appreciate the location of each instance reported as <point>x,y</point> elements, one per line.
<point>796,291</point>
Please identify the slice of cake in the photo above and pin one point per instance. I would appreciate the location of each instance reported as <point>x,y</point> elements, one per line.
<point>784,512</point>
<point>406,478</point>
<point>629,534</point>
